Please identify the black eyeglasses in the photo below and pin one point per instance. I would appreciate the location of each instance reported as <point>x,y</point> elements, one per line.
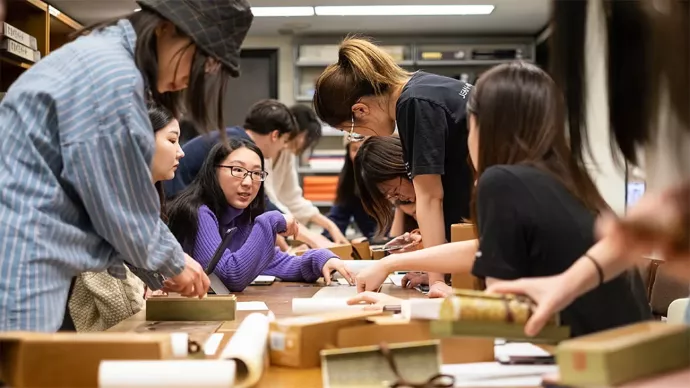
<point>241,172</point>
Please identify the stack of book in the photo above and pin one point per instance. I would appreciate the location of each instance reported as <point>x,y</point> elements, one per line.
<point>18,45</point>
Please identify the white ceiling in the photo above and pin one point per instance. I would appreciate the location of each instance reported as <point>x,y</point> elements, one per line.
<point>510,17</point>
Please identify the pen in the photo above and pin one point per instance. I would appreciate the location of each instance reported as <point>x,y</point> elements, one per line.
<point>219,252</point>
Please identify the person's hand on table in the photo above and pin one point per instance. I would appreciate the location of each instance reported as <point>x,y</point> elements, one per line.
<point>291,226</point>
<point>376,300</point>
<point>191,282</point>
<point>414,279</point>
<point>440,290</point>
<point>335,264</point>
<point>659,222</point>
<point>371,278</point>
<point>407,241</point>
<point>337,236</point>
<point>551,295</point>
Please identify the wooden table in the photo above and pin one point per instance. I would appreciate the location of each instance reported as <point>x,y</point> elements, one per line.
<point>278,297</point>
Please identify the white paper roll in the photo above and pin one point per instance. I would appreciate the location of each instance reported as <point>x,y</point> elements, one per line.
<point>301,306</point>
<point>166,374</point>
<point>247,348</point>
<point>421,308</point>
<point>180,344</point>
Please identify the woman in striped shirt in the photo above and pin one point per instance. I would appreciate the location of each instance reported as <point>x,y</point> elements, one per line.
<point>76,192</point>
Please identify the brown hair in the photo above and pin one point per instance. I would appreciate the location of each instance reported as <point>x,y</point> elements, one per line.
<point>520,117</point>
<point>648,46</point>
<point>202,101</point>
<point>379,159</point>
<point>363,69</point>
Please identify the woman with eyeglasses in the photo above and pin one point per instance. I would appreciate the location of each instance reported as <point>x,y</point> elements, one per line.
<point>228,192</point>
<point>75,191</point>
<point>367,93</point>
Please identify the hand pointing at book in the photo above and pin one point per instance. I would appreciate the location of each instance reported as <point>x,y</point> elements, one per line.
<point>191,282</point>
<point>291,226</point>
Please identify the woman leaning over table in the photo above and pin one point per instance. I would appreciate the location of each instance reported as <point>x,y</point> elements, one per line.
<point>97,300</point>
<point>535,205</point>
<point>645,39</point>
<point>77,145</point>
<point>367,93</point>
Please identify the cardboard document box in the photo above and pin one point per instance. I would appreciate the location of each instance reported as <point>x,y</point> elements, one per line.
<point>624,354</point>
<point>297,341</point>
<point>178,308</point>
<point>463,232</point>
<point>454,350</point>
<point>18,36</point>
<point>362,249</point>
<point>72,359</point>
<point>366,366</point>
<point>343,251</point>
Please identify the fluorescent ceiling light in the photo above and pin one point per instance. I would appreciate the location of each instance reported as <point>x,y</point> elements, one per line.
<point>403,10</point>
<point>283,11</point>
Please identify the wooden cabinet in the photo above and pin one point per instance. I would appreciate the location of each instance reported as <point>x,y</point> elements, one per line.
<point>48,25</point>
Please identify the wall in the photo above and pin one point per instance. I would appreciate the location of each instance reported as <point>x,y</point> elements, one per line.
<point>609,177</point>
<point>286,77</point>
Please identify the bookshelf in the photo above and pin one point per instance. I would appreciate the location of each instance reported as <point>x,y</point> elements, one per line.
<point>49,27</point>
<point>462,58</point>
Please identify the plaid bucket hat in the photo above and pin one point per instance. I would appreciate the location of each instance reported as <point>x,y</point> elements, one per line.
<point>218,27</point>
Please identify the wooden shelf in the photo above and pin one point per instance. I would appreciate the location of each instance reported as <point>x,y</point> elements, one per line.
<point>38,4</point>
<point>12,62</point>
<point>48,25</point>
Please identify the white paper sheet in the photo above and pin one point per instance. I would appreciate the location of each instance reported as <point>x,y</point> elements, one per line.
<point>217,285</point>
<point>344,282</point>
<point>396,279</point>
<point>166,374</point>
<point>355,266</point>
<point>303,306</point>
<point>251,306</point>
<point>524,349</point>
<point>336,292</point>
<point>493,374</point>
<point>248,348</point>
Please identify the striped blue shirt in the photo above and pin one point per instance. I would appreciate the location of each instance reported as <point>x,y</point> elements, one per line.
<point>75,184</point>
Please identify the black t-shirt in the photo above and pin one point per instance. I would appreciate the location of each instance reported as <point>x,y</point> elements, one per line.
<point>530,225</point>
<point>432,124</point>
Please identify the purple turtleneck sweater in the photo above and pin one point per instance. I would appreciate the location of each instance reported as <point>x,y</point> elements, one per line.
<point>252,251</point>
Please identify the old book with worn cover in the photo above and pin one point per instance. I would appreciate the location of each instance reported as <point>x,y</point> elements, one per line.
<point>403,364</point>
<point>475,313</point>
<point>177,308</point>
<point>624,354</point>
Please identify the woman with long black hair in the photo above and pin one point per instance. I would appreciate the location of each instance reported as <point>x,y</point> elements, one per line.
<point>228,192</point>
<point>645,70</point>
<point>76,194</point>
